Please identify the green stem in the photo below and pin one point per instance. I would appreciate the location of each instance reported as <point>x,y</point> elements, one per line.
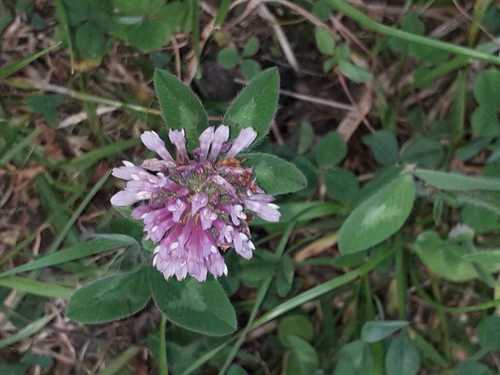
<point>163,346</point>
<point>442,318</point>
<point>366,22</point>
<point>376,348</point>
<point>261,294</point>
<point>480,7</point>
<point>401,282</point>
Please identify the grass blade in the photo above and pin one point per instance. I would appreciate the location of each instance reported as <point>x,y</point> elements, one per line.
<point>120,362</point>
<point>324,288</point>
<point>18,65</point>
<point>366,22</point>
<point>78,212</point>
<point>26,332</point>
<point>78,251</point>
<point>14,150</point>
<point>38,288</point>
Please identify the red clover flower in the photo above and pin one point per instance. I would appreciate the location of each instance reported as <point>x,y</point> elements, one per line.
<point>194,208</point>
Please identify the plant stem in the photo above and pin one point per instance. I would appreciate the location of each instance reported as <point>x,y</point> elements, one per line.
<point>401,282</point>
<point>366,22</point>
<point>261,294</point>
<point>442,318</point>
<point>163,346</point>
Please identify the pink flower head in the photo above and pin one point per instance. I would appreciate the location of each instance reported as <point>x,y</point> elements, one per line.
<point>195,207</point>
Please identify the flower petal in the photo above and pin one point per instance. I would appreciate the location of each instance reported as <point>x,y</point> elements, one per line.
<point>244,139</point>
<point>198,201</point>
<point>266,211</point>
<point>206,138</point>
<point>221,136</point>
<point>125,198</point>
<point>154,143</point>
<point>178,138</point>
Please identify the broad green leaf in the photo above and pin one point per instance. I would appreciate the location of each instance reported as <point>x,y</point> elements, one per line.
<point>485,118</point>
<point>199,307</point>
<point>180,107</point>
<point>384,176</point>
<point>10,69</point>
<point>425,152</point>
<point>256,104</point>
<point>330,150</point>
<point>480,219</point>
<point>402,357</point>
<point>111,298</point>
<point>379,216</point>
<point>444,257</point>
<point>77,251</point>
<point>324,40</point>
<point>295,325</point>
<point>90,42</point>
<point>354,358</point>
<point>457,182</point>
<point>374,331</point>
<point>489,333</point>
<point>304,359</point>
<point>268,168</point>
<point>384,146</point>
<point>228,57</point>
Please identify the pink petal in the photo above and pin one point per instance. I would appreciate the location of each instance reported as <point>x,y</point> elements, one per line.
<point>206,139</point>
<point>154,143</point>
<point>124,198</point>
<point>221,136</point>
<point>198,201</point>
<point>178,138</point>
<point>266,211</point>
<point>244,139</point>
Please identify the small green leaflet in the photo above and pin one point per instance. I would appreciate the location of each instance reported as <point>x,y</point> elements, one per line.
<point>374,331</point>
<point>268,167</point>
<point>379,216</point>
<point>256,104</point>
<point>111,298</point>
<point>180,107</point>
<point>199,307</point>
